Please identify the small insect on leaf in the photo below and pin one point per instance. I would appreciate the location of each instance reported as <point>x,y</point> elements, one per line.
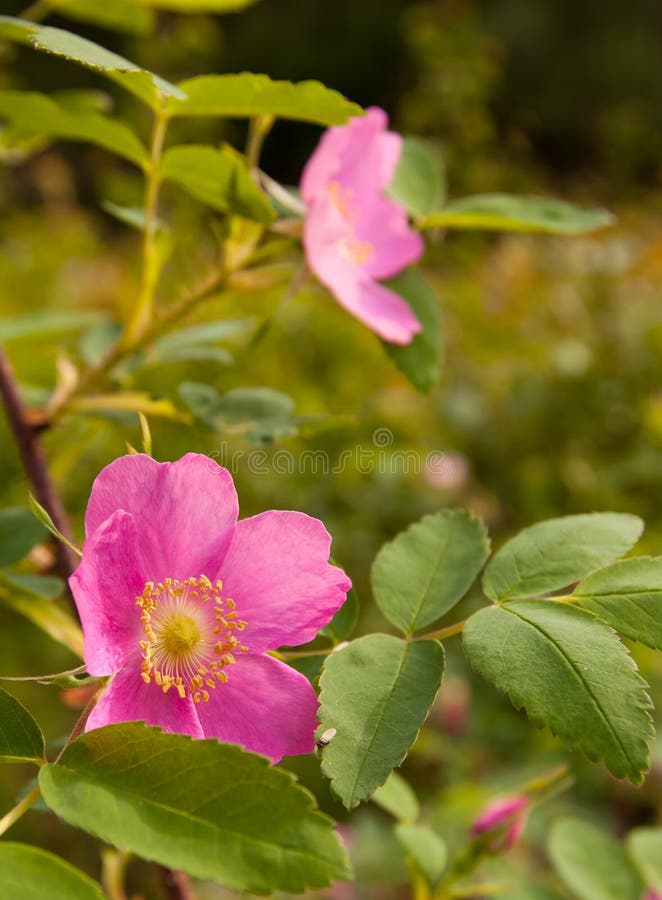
<point>324,738</point>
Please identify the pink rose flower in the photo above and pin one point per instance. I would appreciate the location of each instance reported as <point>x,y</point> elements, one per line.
<point>180,602</point>
<point>353,233</point>
<point>506,817</point>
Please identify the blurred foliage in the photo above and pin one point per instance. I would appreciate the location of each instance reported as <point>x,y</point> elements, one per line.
<point>550,402</point>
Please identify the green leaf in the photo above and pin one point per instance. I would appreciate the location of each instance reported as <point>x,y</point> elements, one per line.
<point>376,693</point>
<point>35,114</point>
<point>133,216</point>
<point>205,333</point>
<point>97,341</point>
<point>592,863</point>
<point>248,95</point>
<point>21,739</point>
<point>425,849</point>
<point>569,672</point>
<point>41,515</point>
<point>644,846</point>
<point>240,406</point>
<point>211,809</point>
<point>34,874</point>
<point>419,182</point>
<point>46,323</point>
<point>397,797</point>
<point>505,212</point>
<point>200,6</point>
<point>421,574</point>
<point>186,354</point>
<point>123,15</point>
<point>344,621</point>
<point>255,404</point>
<point>628,596</point>
<point>556,553</point>
<point>32,597</point>
<point>219,178</point>
<point>150,88</point>
<point>19,532</point>
<point>420,360</point>
<point>527,891</point>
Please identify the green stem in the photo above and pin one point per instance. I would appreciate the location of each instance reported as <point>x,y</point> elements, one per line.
<point>142,314</point>
<point>209,285</point>
<point>442,633</point>
<point>302,654</point>
<point>37,11</point>
<point>113,872</point>
<point>22,807</point>
<point>258,129</point>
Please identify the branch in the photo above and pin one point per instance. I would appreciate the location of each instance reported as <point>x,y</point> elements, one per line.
<point>33,459</point>
<point>119,351</point>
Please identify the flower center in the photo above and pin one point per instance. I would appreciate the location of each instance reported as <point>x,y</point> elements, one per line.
<point>351,247</point>
<point>180,635</point>
<point>341,197</point>
<point>355,250</point>
<point>190,635</point>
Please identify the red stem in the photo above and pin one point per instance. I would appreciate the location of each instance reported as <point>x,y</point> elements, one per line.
<point>33,459</point>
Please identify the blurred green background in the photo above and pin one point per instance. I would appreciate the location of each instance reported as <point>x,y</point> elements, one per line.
<point>550,401</point>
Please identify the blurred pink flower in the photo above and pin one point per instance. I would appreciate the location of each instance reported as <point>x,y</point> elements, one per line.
<point>180,603</point>
<point>447,471</point>
<point>652,895</point>
<point>506,818</point>
<point>353,233</point>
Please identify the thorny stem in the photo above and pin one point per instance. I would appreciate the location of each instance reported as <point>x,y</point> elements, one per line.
<point>142,314</point>
<point>37,11</point>
<point>21,807</point>
<point>33,459</point>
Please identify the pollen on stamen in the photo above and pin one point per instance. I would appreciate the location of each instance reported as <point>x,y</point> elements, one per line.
<point>188,644</point>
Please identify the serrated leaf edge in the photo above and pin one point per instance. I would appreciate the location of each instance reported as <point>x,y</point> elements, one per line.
<point>507,597</point>
<point>321,716</point>
<point>311,804</point>
<point>446,513</point>
<point>570,742</point>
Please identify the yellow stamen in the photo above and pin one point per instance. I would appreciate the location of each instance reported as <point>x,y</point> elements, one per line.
<point>187,645</point>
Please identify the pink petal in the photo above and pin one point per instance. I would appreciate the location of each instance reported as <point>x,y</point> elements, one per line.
<point>385,226</point>
<point>498,812</point>
<point>382,310</point>
<point>324,163</point>
<point>278,574</point>
<point>184,511</point>
<point>266,706</point>
<point>105,586</point>
<point>360,156</point>
<point>378,307</point>
<point>369,158</point>
<point>128,699</point>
